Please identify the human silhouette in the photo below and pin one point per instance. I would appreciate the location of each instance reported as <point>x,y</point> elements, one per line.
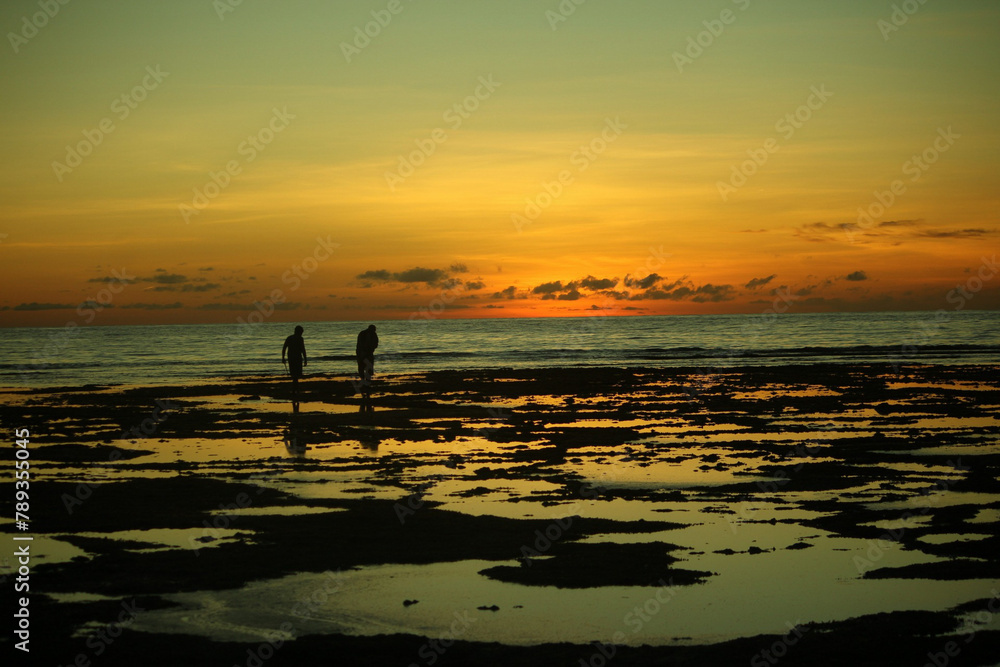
<point>295,346</point>
<point>295,437</point>
<point>365,351</point>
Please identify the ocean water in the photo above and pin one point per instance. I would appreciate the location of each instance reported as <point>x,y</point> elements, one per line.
<point>45,357</point>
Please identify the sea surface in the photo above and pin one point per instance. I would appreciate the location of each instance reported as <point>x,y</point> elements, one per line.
<point>59,356</point>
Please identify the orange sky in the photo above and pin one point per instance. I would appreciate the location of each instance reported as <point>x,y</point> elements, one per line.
<point>488,159</point>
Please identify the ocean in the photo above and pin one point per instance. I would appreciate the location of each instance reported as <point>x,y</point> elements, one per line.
<point>47,357</point>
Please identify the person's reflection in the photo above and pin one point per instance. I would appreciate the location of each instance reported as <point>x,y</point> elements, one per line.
<point>366,407</point>
<point>294,436</point>
<point>370,440</point>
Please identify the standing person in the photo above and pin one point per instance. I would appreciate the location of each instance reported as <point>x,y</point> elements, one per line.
<point>365,351</point>
<point>296,349</point>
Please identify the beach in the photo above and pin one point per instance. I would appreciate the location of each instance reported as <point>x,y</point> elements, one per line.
<point>808,514</point>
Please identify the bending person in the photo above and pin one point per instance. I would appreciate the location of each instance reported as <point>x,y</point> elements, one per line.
<point>365,351</point>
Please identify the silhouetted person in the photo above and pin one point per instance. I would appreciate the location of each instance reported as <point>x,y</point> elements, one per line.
<point>296,349</point>
<point>367,342</point>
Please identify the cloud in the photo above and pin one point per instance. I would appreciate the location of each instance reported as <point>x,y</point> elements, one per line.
<point>35,305</point>
<point>287,305</point>
<point>595,284</point>
<point>112,279</point>
<point>572,295</point>
<point>188,287</point>
<point>475,285</point>
<point>644,283</point>
<point>757,283</point>
<point>952,234</point>
<point>818,232</point>
<point>509,293</point>
<point>371,277</point>
<point>420,275</point>
<point>549,288</point>
<point>95,305</point>
<point>677,291</point>
<point>857,276</point>
<point>165,278</point>
<point>152,306</point>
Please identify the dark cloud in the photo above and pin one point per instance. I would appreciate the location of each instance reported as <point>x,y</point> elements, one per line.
<point>288,305</point>
<point>152,306</point>
<point>644,283</point>
<point>952,234</point>
<point>166,278</point>
<point>712,292</point>
<point>549,288</point>
<point>188,287</point>
<point>207,268</point>
<point>572,295</point>
<point>595,284</point>
<point>475,285</point>
<point>688,292</point>
<point>458,268</point>
<point>112,279</point>
<point>899,223</point>
<point>95,305</point>
<point>420,275</point>
<point>35,305</point>
<point>370,277</point>
<point>857,276</point>
<point>224,306</point>
<point>757,283</point>
<point>509,293</point>
<point>819,232</point>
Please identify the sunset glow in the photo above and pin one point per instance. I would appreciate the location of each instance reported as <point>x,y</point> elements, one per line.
<point>197,162</point>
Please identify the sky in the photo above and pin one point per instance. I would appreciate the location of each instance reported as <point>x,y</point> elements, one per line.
<point>303,160</point>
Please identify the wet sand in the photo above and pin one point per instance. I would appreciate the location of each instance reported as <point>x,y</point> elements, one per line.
<point>825,514</point>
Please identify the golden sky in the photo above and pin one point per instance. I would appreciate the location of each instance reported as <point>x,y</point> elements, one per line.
<point>195,161</point>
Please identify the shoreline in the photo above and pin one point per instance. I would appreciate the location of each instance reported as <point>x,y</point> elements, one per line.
<point>567,482</point>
